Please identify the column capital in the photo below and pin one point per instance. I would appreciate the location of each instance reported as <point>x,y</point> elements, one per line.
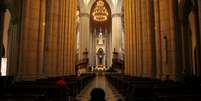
<point>84,15</point>
<point>117,15</point>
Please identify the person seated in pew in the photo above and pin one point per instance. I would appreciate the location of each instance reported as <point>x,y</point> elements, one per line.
<point>61,83</point>
<point>167,79</point>
<point>97,94</point>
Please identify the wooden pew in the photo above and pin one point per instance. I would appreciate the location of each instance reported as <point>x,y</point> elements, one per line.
<point>45,89</point>
<point>148,89</point>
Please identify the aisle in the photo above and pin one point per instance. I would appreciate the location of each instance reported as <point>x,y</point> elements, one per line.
<point>99,82</point>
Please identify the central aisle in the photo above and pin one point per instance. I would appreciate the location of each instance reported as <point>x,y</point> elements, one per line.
<point>100,81</point>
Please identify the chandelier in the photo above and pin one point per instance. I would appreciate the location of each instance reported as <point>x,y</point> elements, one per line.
<point>100,13</point>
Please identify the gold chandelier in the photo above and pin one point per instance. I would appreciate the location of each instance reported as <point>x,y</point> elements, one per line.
<point>100,13</point>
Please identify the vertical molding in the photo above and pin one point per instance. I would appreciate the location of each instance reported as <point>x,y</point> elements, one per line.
<point>152,37</point>
<point>134,66</point>
<point>141,36</point>
<point>62,39</point>
<point>58,44</point>
<point>74,37</point>
<point>59,39</point>
<point>148,44</point>
<point>69,37</point>
<point>49,38</point>
<point>135,39</point>
<point>126,36</point>
<point>172,53</point>
<point>72,40</point>
<point>131,47</point>
<point>52,52</point>
<point>138,33</point>
<point>178,41</point>
<point>145,39</point>
<point>158,41</point>
<point>44,9</point>
<point>46,37</point>
<point>38,54</point>
<point>130,37</point>
<point>28,59</point>
<point>24,29</point>
<point>66,37</point>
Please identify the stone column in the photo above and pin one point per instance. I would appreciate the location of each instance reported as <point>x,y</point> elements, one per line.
<point>90,48</point>
<point>93,48</point>
<point>171,41</point>
<point>70,37</point>
<point>116,33</point>
<point>109,48</point>
<point>2,11</point>
<point>13,49</point>
<point>165,38</point>
<point>146,38</point>
<point>84,35</point>
<point>138,38</point>
<point>157,38</point>
<point>31,42</point>
<point>127,18</point>
<point>152,37</point>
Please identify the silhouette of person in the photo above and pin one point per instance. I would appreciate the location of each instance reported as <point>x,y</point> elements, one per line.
<point>63,89</point>
<point>97,94</point>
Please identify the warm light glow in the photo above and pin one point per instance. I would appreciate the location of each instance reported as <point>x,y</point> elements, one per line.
<point>3,66</point>
<point>100,13</point>
<point>115,2</point>
<point>86,2</point>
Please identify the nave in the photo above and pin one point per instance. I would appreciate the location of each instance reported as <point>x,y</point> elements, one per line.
<point>100,81</point>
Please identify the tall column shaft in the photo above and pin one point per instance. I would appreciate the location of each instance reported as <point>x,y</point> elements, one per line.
<point>128,33</point>
<point>29,45</point>
<point>84,35</point>
<point>116,33</point>
<point>165,38</point>
<point>157,38</point>
<point>146,38</point>
<point>144,47</point>
<point>48,39</point>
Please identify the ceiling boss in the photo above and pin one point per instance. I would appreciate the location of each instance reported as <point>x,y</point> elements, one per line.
<point>100,13</point>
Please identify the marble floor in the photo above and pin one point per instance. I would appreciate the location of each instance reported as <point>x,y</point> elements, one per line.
<point>99,81</point>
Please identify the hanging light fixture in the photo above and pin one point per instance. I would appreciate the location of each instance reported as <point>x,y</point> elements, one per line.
<point>100,13</point>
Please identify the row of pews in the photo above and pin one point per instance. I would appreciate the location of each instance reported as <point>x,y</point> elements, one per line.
<point>43,89</point>
<point>149,89</point>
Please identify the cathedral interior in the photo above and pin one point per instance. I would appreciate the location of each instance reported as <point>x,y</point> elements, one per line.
<point>133,50</point>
